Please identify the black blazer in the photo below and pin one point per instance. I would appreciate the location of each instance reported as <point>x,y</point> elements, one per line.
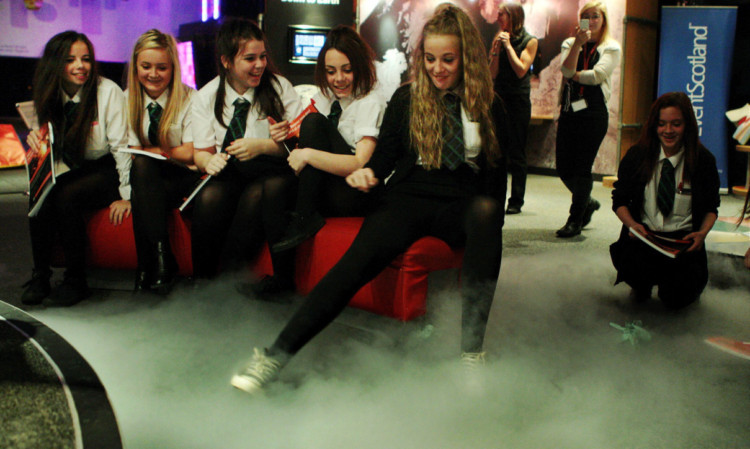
<point>394,153</point>
<point>704,182</point>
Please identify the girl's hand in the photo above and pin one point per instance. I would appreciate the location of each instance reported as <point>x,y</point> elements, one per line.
<point>217,163</point>
<point>245,148</point>
<point>698,238</point>
<point>279,131</point>
<point>298,159</point>
<point>118,211</point>
<point>504,38</point>
<point>638,228</point>
<point>582,36</point>
<point>363,179</point>
<point>33,140</point>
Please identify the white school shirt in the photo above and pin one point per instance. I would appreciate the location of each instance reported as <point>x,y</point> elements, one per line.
<point>207,132</point>
<point>681,217</point>
<point>360,117</point>
<point>110,130</point>
<point>180,131</point>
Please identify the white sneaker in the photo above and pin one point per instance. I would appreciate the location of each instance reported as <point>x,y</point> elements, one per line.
<point>259,372</point>
<point>473,361</point>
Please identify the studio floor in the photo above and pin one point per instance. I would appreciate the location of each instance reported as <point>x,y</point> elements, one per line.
<point>559,373</point>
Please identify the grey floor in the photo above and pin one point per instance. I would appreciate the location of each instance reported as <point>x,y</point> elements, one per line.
<point>559,376</point>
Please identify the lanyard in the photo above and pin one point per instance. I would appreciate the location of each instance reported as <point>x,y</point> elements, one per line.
<point>586,59</point>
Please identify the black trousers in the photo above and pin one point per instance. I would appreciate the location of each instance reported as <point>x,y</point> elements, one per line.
<point>320,191</point>
<point>519,115</point>
<point>579,136</point>
<point>158,187</point>
<point>237,211</point>
<point>92,186</point>
<point>388,231</point>
<point>680,280</point>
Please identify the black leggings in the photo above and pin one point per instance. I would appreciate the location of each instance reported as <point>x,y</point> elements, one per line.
<point>519,115</point>
<point>158,187</point>
<point>579,136</point>
<point>235,212</point>
<point>388,231</point>
<point>320,191</point>
<point>92,186</point>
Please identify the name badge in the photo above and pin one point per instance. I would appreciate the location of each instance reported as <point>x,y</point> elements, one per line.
<point>579,105</point>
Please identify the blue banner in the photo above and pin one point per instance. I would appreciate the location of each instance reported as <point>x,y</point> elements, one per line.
<point>695,57</point>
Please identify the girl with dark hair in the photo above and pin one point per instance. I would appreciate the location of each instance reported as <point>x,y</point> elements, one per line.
<point>440,137</point>
<point>667,184</point>
<point>236,145</point>
<point>87,113</point>
<point>512,53</point>
<point>160,122</point>
<point>588,60</point>
<point>339,139</point>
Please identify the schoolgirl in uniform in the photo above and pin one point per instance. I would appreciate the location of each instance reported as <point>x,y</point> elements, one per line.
<point>439,135</point>
<point>667,184</point>
<point>337,140</point>
<point>88,115</point>
<point>160,122</point>
<point>245,155</point>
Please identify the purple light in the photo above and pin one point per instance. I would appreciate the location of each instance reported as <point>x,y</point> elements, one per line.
<point>187,67</point>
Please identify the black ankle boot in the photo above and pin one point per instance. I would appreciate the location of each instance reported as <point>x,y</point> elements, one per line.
<point>166,269</point>
<point>142,281</point>
<point>571,229</point>
<point>300,228</point>
<point>37,288</point>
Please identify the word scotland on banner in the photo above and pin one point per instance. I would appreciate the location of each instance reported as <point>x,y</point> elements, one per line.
<point>696,58</point>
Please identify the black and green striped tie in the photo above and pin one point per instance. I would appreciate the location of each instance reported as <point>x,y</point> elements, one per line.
<point>666,189</point>
<point>453,133</point>
<point>154,116</point>
<point>236,128</point>
<point>335,114</point>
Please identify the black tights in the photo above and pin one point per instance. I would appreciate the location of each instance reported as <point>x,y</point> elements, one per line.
<point>387,232</point>
<point>320,191</point>
<point>158,187</point>
<point>92,186</point>
<point>579,136</point>
<point>232,218</point>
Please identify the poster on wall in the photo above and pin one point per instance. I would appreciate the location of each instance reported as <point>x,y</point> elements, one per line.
<point>393,29</point>
<point>696,58</point>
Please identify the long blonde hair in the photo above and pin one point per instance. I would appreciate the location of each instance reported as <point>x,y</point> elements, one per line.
<point>178,92</point>
<point>427,111</point>
<point>604,34</point>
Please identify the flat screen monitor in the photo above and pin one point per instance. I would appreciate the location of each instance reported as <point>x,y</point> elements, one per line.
<point>305,42</point>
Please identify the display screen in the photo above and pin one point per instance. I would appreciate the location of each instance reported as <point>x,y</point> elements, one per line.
<point>306,43</point>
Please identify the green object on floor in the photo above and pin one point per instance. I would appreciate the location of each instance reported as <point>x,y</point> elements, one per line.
<point>633,332</point>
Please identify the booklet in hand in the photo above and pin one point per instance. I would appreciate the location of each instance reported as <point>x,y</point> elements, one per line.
<point>664,245</point>
<point>42,168</point>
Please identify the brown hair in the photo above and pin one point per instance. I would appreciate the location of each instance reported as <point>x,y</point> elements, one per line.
<point>346,40</point>
<point>650,139</point>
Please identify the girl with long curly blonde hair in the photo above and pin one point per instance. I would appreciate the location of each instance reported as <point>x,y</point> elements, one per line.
<point>439,145</point>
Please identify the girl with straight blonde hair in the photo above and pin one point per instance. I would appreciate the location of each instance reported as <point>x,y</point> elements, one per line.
<point>160,123</point>
<point>589,58</point>
<point>439,139</point>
